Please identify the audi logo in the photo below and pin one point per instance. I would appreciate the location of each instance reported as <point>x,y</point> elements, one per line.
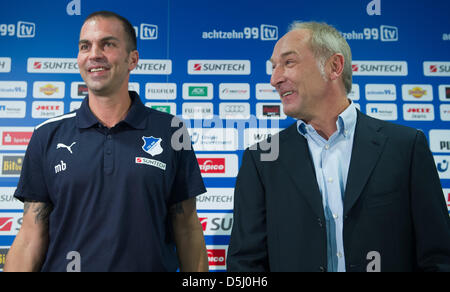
<point>235,109</point>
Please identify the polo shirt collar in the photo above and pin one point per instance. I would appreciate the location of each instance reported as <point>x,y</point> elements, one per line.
<point>135,117</point>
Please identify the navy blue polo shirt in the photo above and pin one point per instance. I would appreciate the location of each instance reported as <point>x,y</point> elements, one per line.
<point>111,189</point>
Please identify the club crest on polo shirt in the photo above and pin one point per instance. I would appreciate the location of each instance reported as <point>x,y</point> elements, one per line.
<point>152,145</point>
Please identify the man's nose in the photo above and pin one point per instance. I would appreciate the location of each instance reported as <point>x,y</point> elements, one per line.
<point>277,76</point>
<point>96,52</point>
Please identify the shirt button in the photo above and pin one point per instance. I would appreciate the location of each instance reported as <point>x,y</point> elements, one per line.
<point>339,255</point>
<point>335,216</point>
<point>330,180</point>
<point>108,152</point>
<point>327,147</point>
<point>109,137</point>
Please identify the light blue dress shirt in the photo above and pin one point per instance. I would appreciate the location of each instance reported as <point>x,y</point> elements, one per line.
<point>331,162</point>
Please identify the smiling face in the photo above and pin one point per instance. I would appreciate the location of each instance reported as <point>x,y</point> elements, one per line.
<point>297,76</point>
<point>103,58</point>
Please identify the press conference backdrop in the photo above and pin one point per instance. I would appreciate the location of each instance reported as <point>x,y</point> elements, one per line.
<point>207,62</point>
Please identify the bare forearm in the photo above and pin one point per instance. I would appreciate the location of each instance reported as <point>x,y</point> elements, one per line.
<point>189,237</point>
<point>28,250</point>
<point>25,256</point>
<point>192,252</point>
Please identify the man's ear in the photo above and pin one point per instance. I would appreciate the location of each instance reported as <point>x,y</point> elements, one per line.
<point>133,60</point>
<point>336,66</point>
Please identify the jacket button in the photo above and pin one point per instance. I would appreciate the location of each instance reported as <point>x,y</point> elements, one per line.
<point>322,269</point>
<point>320,222</point>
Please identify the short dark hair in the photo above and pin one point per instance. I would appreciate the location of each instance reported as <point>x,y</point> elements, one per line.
<point>130,33</point>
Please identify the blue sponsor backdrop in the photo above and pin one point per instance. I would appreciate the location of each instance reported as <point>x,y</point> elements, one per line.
<point>413,37</point>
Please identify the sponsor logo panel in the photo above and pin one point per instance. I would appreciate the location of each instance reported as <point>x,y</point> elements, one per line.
<point>256,135</point>
<point>444,92</point>
<point>3,253</point>
<point>380,68</point>
<point>235,111</point>
<point>15,138</point>
<point>153,67</point>
<point>440,141</point>
<point>11,164</point>
<point>216,198</point>
<point>267,111</point>
<point>222,139</point>
<point>445,112</point>
<point>198,111</point>
<point>10,223</point>
<point>7,200</point>
<point>382,111</point>
<point>216,223</point>
<point>236,91</point>
<point>418,112</point>
<point>5,65</point>
<point>417,92</point>
<point>48,89</point>
<point>219,67</point>
<point>198,91</point>
<point>165,107</point>
<point>355,93</point>
<point>53,65</point>
<point>161,91</point>
<point>436,69</point>
<point>265,91</point>
<point>13,89</point>
<point>447,197</point>
<point>443,166</point>
<point>216,165</point>
<point>217,255</point>
<point>47,109</point>
<point>78,90</point>
<point>13,109</point>
<point>74,105</point>
<point>382,92</point>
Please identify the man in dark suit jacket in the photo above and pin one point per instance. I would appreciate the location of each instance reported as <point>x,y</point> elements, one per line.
<point>384,210</point>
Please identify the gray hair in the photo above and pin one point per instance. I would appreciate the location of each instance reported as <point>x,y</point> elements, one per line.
<point>325,42</point>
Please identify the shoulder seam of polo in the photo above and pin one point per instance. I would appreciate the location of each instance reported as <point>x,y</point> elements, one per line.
<point>60,118</point>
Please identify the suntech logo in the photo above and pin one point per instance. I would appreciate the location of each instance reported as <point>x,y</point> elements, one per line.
<point>438,69</point>
<point>219,67</point>
<point>52,65</point>
<point>380,68</point>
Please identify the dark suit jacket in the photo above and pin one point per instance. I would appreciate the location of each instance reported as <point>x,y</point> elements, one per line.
<point>393,204</point>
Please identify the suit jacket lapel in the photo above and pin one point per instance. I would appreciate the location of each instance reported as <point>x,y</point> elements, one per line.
<point>368,145</point>
<point>296,159</point>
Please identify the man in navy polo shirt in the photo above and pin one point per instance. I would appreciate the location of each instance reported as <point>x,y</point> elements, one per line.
<point>104,188</point>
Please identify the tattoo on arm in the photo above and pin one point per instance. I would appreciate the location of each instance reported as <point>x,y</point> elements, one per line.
<point>41,210</point>
<point>183,208</point>
<point>176,209</point>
